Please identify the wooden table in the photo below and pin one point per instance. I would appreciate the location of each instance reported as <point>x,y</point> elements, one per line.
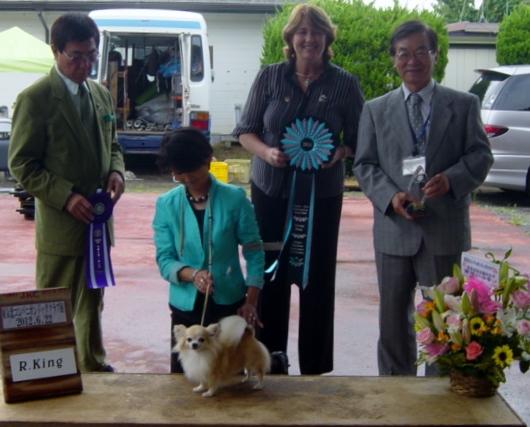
<point>167,400</point>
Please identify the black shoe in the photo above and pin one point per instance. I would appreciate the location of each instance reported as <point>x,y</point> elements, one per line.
<point>279,363</point>
<point>110,369</point>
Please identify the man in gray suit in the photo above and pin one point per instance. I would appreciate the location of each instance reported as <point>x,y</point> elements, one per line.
<point>442,138</point>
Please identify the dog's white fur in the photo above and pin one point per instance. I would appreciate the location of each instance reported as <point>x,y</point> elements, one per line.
<point>212,355</point>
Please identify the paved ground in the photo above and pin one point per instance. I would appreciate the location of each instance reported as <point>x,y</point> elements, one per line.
<point>136,317</point>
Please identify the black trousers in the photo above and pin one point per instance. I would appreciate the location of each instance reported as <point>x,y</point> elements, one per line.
<point>214,313</point>
<point>317,300</point>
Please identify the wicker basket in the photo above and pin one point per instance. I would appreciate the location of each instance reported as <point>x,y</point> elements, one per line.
<point>472,386</point>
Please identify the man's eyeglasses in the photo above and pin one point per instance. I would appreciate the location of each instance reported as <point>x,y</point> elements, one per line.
<point>78,59</point>
<point>421,55</point>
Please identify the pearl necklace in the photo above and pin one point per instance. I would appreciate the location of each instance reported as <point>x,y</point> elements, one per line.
<point>196,199</point>
<point>308,79</point>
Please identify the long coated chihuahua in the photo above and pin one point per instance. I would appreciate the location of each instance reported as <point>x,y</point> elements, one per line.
<point>214,354</point>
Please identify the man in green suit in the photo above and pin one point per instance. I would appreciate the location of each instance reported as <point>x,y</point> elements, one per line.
<point>63,149</point>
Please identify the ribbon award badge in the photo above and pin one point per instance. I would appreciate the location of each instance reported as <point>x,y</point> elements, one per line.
<point>309,144</point>
<point>98,265</point>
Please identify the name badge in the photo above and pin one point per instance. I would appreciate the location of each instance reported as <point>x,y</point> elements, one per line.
<point>411,164</point>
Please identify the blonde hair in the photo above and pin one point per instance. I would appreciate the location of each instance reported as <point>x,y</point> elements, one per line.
<point>319,18</point>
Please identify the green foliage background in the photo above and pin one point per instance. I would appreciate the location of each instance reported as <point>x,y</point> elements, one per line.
<point>513,40</point>
<point>464,10</point>
<point>362,40</point>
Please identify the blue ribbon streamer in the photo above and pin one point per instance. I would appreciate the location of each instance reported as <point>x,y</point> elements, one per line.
<point>98,263</point>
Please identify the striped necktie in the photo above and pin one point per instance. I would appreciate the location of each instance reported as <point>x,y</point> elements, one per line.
<point>416,121</point>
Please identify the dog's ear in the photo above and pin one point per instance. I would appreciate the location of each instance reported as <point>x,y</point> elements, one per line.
<point>213,329</point>
<point>179,331</point>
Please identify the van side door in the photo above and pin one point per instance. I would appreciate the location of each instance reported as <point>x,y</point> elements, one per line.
<point>185,49</point>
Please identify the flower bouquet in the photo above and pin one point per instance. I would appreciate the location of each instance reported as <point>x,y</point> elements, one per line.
<point>473,331</point>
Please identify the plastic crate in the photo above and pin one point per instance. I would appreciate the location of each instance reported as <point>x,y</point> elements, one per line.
<point>219,170</point>
<point>238,170</point>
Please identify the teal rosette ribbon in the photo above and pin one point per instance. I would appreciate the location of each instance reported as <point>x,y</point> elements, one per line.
<point>309,145</point>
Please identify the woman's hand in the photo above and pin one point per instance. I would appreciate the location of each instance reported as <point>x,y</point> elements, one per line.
<point>250,314</point>
<point>276,157</point>
<point>203,281</point>
<point>341,152</point>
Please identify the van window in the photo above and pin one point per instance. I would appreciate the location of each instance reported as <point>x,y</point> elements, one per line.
<point>487,87</point>
<point>197,59</point>
<point>515,95</point>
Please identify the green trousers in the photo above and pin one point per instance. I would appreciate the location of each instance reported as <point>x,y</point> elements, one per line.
<point>57,271</point>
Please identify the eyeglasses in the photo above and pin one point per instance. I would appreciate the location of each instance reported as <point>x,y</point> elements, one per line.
<point>421,55</point>
<point>78,59</point>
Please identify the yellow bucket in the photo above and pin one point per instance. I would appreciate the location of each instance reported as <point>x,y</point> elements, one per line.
<point>219,170</point>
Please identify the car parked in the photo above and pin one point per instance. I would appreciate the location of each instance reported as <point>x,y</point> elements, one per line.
<point>504,93</point>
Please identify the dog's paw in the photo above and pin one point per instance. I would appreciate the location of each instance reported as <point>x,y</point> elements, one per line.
<point>209,393</point>
<point>199,388</point>
<point>259,386</point>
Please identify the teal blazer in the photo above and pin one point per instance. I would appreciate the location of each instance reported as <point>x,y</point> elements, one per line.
<point>50,154</point>
<point>229,222</point>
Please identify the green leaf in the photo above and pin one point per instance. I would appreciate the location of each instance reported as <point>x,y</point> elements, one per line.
<point>439,300</point>
<point>466,304</point>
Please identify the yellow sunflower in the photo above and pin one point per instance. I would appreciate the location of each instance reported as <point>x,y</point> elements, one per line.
<point>503,356</point>
<point>476,326</point>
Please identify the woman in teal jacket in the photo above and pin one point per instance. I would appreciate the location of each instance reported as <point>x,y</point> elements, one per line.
<point>198,228</point>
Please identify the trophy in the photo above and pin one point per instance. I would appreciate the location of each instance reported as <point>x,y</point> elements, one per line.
<point>417,182</point>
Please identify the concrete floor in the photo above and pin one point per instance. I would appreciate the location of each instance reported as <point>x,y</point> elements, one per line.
<point>136,317</point>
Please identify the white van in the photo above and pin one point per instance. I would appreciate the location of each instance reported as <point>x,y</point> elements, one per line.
<point>156,64</point>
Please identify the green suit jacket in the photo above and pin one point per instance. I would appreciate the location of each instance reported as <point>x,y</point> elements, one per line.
<point>51,155</point>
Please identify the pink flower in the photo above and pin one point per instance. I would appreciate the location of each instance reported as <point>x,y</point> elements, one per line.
<point>424,308</point>
<point>435,349</point>
<point>490,306</point>
<point>425,336</point>
<point>449,285</point>
<point>454,320</point>
<point>473,350</point>
<point>523,327</point>
<point>482,290</point>
<point>521,299</point>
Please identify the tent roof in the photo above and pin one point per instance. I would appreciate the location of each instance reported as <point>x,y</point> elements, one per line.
<point>21,52</point>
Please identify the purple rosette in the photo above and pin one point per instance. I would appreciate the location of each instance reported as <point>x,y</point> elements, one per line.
<point>98,264</point>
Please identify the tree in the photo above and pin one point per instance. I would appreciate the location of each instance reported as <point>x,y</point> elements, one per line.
<point>362,40</point>
<point>464,10</point>
<point>513,40</point>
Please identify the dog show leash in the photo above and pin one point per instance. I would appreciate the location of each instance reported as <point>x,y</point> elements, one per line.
<point>207,294</point>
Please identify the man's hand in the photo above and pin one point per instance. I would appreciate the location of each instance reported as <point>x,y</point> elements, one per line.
<point>400,202</point>
<point>436,186</point>
<point>115,186</point>
<point>80,208</point>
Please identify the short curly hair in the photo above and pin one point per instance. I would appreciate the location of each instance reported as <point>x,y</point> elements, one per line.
<point>185,149</point>
<point>319,18</point>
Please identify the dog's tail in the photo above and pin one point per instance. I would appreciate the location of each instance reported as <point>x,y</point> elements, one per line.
<point>232,329</point>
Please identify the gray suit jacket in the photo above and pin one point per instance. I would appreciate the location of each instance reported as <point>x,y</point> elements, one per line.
<point>457,146</point>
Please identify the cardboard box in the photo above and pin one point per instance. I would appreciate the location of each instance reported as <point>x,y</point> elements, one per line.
<point>238,170</point>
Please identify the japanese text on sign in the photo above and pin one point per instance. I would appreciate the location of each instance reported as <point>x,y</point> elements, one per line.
<point>481,269</point>
<point>45,313</point>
